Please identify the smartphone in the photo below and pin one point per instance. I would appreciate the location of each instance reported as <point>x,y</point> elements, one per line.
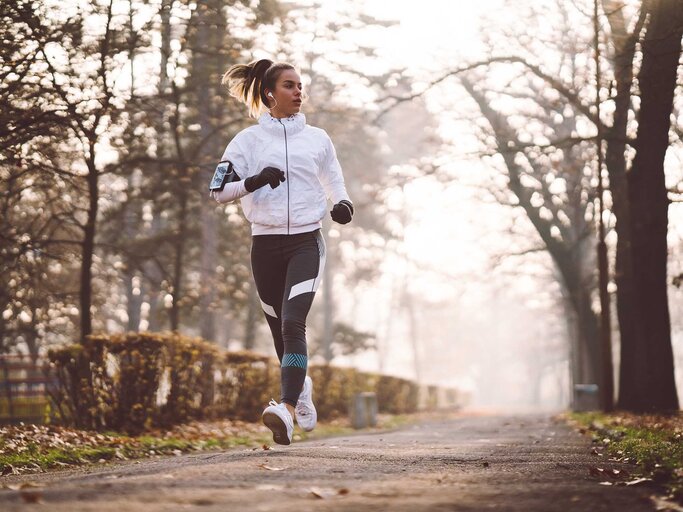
<point>224,173</point>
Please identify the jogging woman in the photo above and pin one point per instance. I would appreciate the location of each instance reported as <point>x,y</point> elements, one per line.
<point>284,171</point>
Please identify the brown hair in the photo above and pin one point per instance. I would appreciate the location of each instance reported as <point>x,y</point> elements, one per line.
<point>248,82</point>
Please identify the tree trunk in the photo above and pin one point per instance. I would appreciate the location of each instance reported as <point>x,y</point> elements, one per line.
<point>133,302</point>
<point>615,161</point>
<point>178,262</point>
<point>152,283</point>
<point>132,213</point>
<point>151,287</point>
<point>88,246</point>
<point>206,62</point>
<point>590,354</point>
<point>651,385</point>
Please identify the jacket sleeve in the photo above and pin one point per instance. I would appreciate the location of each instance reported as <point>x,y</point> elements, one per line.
<point>235,153</point>
<point>331,176</point>
<point>230,192</point>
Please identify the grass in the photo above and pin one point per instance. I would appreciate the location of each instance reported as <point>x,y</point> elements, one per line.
<point>40,448</point>
<point>115,447</point>
<point>653,443</point>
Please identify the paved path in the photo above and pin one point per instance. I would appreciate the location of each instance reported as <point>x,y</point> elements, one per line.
<point>471,463</point>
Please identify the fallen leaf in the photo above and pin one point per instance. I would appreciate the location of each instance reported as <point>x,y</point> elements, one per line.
<point>664,505</point>
<point>614,473</point>
<point>639,481</point>
<point>323,493</point>
<point>9,470</point>
<point>270,468</point>
<point>315,492</point>
<point>343,491</point>
<point>595,471</point>
<point>31,496</point>
<point>266,447</point>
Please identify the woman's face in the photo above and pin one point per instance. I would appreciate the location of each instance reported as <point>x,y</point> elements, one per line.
<point>287,94</point>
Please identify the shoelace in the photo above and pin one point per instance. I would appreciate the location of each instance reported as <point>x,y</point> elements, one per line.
<point>302,409</point>
<point>273,402</point>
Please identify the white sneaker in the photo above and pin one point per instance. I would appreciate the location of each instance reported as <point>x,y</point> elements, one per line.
<point>278,419</point>
<point>306,415</point>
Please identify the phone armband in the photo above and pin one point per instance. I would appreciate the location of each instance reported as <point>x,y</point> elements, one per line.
<point>224,173</point>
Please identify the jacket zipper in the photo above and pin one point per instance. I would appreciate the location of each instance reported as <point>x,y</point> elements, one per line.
<point>286,170</point>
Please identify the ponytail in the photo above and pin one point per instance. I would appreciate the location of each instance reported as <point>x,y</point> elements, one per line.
<point>247,83</point>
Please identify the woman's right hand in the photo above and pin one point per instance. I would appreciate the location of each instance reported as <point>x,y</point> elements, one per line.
<point>268,176</point>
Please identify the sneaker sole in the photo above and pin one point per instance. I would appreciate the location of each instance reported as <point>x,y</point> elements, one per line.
<point>307,429</point>
<point>275,423</point>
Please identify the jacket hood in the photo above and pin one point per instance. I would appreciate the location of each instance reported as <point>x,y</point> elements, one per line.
<point>273,125</point>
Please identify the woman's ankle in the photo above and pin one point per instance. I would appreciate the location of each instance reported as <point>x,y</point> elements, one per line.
<point>290,408</point>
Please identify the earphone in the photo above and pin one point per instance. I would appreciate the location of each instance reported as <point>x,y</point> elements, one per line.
<point>269,107</point>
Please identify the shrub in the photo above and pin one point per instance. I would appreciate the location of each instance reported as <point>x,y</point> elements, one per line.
<point>137,381</point>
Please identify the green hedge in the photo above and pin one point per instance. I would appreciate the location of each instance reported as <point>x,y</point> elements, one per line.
<point>136,381</point>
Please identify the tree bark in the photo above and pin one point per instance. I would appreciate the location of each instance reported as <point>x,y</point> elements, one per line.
<point>651,385</point>
<point>206,62</point>
<point>151,286</point>
<point>88,246</point>
<point>132,213</point>
<point>178,263</point>
<point>624,44</point>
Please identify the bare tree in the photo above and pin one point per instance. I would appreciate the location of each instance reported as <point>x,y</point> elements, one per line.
<point>647,366</point>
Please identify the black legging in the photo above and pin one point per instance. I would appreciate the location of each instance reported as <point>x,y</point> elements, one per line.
<point>287,270</point>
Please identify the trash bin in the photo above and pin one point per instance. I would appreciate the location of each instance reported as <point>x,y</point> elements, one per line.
<point>586,398</point>
<point>364,410</point>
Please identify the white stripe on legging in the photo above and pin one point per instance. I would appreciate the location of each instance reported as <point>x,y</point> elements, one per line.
<point>268,309</point>
<point>311,285</point>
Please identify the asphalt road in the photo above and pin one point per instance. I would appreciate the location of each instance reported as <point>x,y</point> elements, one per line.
<point>469,463</point>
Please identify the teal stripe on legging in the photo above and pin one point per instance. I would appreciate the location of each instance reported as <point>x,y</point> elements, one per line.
<point>297,360</point>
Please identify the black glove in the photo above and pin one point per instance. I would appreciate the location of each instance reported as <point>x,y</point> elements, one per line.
<point>342,212</point>
<point>268,176</point>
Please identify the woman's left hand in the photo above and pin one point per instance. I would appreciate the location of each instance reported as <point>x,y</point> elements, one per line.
<point>342,212</point>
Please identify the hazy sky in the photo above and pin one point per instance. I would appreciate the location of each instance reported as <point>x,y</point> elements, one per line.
<point>431,32</point>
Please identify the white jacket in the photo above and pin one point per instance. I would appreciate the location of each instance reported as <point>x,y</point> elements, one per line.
<point>312,175</point>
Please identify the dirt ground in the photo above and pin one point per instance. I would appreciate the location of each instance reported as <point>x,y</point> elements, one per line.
<point>471,462</point>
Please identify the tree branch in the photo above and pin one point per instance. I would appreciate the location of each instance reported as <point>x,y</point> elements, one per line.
<point>555,83</point>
